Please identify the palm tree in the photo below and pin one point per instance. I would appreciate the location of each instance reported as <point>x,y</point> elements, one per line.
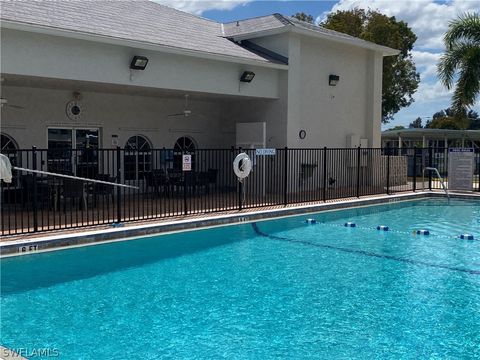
<point>461,60</point>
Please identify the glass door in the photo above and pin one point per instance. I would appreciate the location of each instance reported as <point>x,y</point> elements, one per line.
<point>73,151</point>
<point>60,157</point>
<point>86,143</point>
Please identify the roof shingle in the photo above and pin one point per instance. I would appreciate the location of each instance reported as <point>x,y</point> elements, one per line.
<point>143,21</point>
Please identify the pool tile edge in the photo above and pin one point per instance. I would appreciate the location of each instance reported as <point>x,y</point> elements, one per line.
<point>93,237</point>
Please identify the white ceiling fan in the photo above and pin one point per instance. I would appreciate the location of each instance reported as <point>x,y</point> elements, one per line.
<point>186,111</point>
<point>4,102</point>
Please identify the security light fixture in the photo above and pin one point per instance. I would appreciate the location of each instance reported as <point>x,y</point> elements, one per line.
<point>139,63</point>
<point>247,76</point>
<point>333,80</point>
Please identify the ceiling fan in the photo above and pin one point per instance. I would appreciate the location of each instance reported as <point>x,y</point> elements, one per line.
<point>4,102</point>
<point>186,111</point>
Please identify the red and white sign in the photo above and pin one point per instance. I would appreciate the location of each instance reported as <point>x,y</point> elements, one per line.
<point>187,163</point>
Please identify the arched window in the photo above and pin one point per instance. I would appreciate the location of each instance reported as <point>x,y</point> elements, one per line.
<point>183,145</point>
<point>138,158</point>
<point>9,147</point>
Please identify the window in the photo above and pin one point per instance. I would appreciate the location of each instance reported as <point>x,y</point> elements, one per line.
<point>183,145</point>
<point>9,147</point>
<point>138,158</point>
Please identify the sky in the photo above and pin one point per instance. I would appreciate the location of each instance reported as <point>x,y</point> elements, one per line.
<point>428,19</point>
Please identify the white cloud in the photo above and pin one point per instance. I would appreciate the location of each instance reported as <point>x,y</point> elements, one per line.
<point>429,20</point>
<point>426,63</point>
<point>197,7</point>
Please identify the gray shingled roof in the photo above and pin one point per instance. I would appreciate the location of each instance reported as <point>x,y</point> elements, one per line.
<point>144,21</point>
<point>153,23</point>
<point>244,28</point>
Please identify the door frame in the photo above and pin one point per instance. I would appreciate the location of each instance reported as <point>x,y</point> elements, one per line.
<point>74,129</point>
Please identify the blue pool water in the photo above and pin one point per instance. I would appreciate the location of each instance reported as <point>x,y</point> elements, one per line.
<point>278,289</point>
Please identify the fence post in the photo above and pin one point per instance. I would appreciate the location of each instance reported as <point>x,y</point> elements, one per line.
<point>430,164</point>
<point>414,169</point>
<point>478,168</point>
<point>185,210</point>
<point>119,191</point>
<point>324,174</point>
<point>34,202</point>
<point>285,177</point>
<point>358,171</point>
<point>240,189</point>
<point>388,172</point>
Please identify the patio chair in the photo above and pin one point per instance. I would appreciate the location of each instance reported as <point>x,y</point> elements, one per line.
<point>212,178</point>
<point>43,191</point>
<point>158,180</point>
<point>103,190</point>
<point>74,190</point>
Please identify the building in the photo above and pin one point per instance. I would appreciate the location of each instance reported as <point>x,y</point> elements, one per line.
<point>72,77</point>
<point>436,138</point>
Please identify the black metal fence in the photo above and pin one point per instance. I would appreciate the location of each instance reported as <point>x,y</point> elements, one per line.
<point>34,202</point>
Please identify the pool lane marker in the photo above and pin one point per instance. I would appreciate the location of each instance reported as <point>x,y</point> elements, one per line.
<point>259,232</point>
<point>413,232</point>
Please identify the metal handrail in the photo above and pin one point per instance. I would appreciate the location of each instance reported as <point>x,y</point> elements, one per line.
<point>439,176</point>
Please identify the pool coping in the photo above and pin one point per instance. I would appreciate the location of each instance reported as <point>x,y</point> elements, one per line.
<point>33,245</point>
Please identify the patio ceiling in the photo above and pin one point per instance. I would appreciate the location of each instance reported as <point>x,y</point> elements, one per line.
<point>87,86</point>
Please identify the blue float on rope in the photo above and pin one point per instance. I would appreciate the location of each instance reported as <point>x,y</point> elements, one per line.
<point>350,224</point>
<point>382,227</point>
<point>311,221</point>
<point>467,237</point>
<point>423,232</point>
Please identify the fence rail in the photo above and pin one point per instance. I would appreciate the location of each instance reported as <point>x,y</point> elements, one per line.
<point>33,203</point>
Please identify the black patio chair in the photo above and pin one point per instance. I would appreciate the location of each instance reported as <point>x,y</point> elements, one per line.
<point>212,178</point>
<point>73,190</point>
<point>103,190</point>
<point>158,180</point>
<point>43,190</point>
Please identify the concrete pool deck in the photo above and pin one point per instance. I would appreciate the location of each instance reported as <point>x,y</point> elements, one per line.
<point>39,242</point>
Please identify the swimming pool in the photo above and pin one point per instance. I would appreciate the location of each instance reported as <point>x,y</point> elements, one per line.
<point>274,289</point>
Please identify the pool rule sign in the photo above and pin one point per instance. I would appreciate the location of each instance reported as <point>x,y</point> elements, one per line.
<point>460,168</point>
<point>187,162</point>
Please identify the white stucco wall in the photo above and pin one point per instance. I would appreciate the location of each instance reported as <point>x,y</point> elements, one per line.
<point>288,101</point>
<point>115,114</point>
<point>331,113</point>
<point>32,54</point>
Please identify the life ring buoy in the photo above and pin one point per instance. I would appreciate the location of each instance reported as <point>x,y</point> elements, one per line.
<point>242,165</point>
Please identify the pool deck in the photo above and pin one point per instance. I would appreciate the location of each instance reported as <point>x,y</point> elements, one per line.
<point>7,354</point>
<point>39,242</point>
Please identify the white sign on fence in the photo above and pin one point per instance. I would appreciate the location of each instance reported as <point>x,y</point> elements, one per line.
<point>460,168</point>
<point>265,152</point>
<point>187,163</point>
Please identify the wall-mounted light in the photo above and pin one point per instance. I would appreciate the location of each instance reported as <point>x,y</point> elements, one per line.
<point>139,63</point>
<point>247,76</point>
<point>333,80</point>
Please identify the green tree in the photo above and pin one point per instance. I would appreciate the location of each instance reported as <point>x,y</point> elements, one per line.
<point>400,77</point>
<point>398,127</point>
<point>304,17</point>
<point>445,123</point>
<point>448,119</point>
<point>416,124</point>
<point>460,64</point>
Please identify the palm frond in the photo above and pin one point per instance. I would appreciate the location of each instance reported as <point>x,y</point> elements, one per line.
<point>465,28</point>
<point>468,83</point>
<point>451,60</point>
